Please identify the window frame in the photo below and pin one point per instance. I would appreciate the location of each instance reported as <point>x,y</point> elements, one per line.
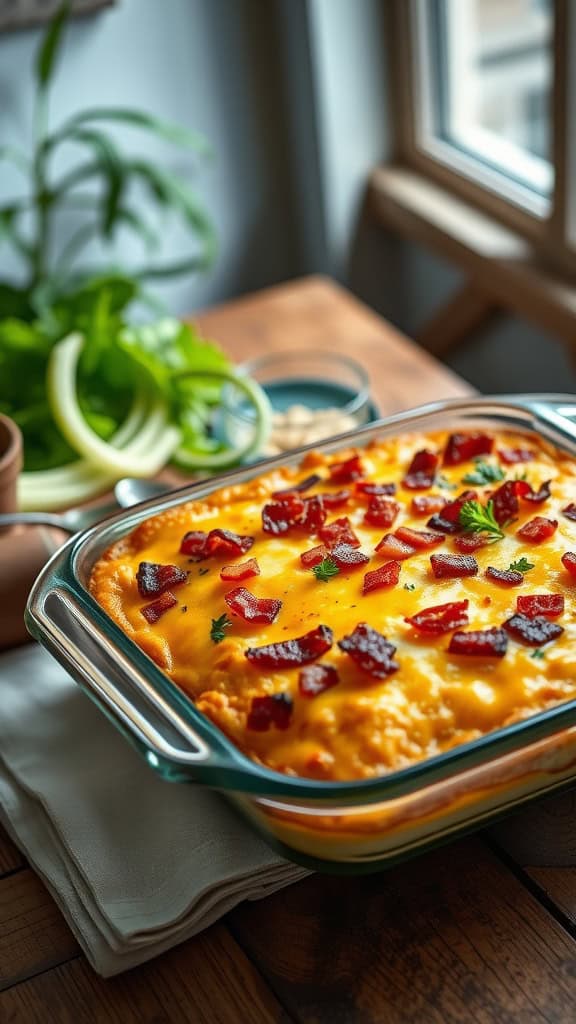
<point>545,225</point>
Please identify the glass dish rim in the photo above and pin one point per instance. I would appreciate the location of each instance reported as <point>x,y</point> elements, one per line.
<point>221,764</point>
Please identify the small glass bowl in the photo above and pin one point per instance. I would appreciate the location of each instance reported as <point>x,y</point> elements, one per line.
<point>313,394</point>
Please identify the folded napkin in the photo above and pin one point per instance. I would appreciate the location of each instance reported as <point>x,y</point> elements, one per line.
<point>136,864</point>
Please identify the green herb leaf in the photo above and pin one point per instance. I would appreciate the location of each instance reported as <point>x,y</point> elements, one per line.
<point>538,654</point>
<point>48,53</point>
<point>485,473</point>
<point>219,627</point>
<point>409,586</point>
<point>147,122</point>
<point>325,570</point>
<point>475,518</point>
<point>522,565</point>
<point>444,483</point>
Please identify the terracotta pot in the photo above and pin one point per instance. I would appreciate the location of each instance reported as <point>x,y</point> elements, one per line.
<point>10,462</point>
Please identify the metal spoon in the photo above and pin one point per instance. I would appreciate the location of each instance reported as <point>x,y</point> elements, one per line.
<point>127,492</point>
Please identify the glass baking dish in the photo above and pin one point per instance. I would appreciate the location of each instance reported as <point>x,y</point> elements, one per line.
<point>360,825</point>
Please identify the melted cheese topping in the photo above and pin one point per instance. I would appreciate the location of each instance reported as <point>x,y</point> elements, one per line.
<point>363,726</point>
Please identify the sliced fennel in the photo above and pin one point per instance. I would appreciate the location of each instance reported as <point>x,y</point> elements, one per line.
<point>157,435</point>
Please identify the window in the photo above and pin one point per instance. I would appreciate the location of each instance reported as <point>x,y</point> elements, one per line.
<point>484,102</point>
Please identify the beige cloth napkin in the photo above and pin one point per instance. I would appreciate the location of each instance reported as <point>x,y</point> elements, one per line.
<point>136,864</point>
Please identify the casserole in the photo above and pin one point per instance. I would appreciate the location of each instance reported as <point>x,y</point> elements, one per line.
<point>360,823</point>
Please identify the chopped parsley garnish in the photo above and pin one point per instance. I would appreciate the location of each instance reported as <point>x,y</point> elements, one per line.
<point>325,570</point>
<point>522,565</point>
<point>444,483</point>
<point>218,627</point>
<point>409,586</point>
<point>485,473</point>
<point>475,518</point>
<point>203,570</point>
<point>538,653</point>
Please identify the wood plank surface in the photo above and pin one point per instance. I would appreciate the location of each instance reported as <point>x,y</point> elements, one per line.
<point>10,857</point>
<point>447,938</point>
<point>33,933</point>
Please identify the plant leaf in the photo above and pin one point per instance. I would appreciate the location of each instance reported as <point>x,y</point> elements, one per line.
<point>16,157</point>
<point>111,165</point>
<point>48,53</point>
<point>129,217</point>
<point>148,122</point>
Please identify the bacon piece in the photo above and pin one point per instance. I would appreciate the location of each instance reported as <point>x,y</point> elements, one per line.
<point>348,471</point>
<point>336,499</point>
<point>291,653</point>
<point>419,539</point>
<point>532,632</point>
<point>527,492</point>
<point>537,530</point>
<point>193,544</point>
<point>570,511</point>
<point>448,521</point>
<point>464,447</point>
<point>511,456</point>
<point>441,618</point>
<point>386,575</point>
<point>424,504</point>
<point>154,578</point>
<point>370,651</point>
<point>299,488</point>
<point>314,556</point>
<point>314,514</point>
<point>467,542</point>
<point>451,567</point>
<point>505,500</point>
<point>393,548</point>
<point>381,511</point>
<point>507,577</point>
<point>280,516</point>
<point>153,611</point>
<point>348,557</point>
<point>375,490</point>
<point>314,679</point>
<point>339,532</point>
<point>240,571</point>
<point>421,471</point>
<point>224,542</point>
<point>275,709</point>
<point>533,605</point>
<point>251,608</point>
<point>481,643</point>
<point>569,562</point>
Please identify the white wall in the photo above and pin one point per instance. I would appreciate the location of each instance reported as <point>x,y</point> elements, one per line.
<point>206,64</point>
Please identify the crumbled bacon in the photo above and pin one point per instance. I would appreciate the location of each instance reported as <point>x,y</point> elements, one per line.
<point>441,618</point>
<point>421,471</point>
<point>251,608</point>
<point>532,632</point>
<point>450,567</point>
<point>448,520</point>
<point>537,530</point>
<point>372,489</point>
<point>280,516</point>
<point>339,532</point>
<point>505,502</point>
<point>511,456</point>
<point>314,514</point>
<point>467,542</point>
<point>240,571</point>
<point>527,492</point>
<point>314,556</point>
<point>275,709</point>
<point>304,485</point>
<point>291,653</point>
<point>393,548</point>
<point>386,575</point>
<point>425,504</point>
<point>314,679</point>
<point>348,557</point>
<point>507,577</point>
<point>570,511</point>
<point>481,643</point>
<point>154,578</point>
<point>153,611</point>
<point>370,651</point>
<point>464,447</point>
<point>419,539</point>
<point>348,471</point>
<point>199,545</point>
<point>569,562</point>
<point>336,499</point>
<point>381,511</point>
<point>533,605</point>
<point>193,544</point>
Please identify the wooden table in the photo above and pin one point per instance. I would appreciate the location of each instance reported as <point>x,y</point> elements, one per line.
<point>462,934</point>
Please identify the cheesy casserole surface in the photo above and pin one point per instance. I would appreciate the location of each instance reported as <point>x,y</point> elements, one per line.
<point>305,657</point>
